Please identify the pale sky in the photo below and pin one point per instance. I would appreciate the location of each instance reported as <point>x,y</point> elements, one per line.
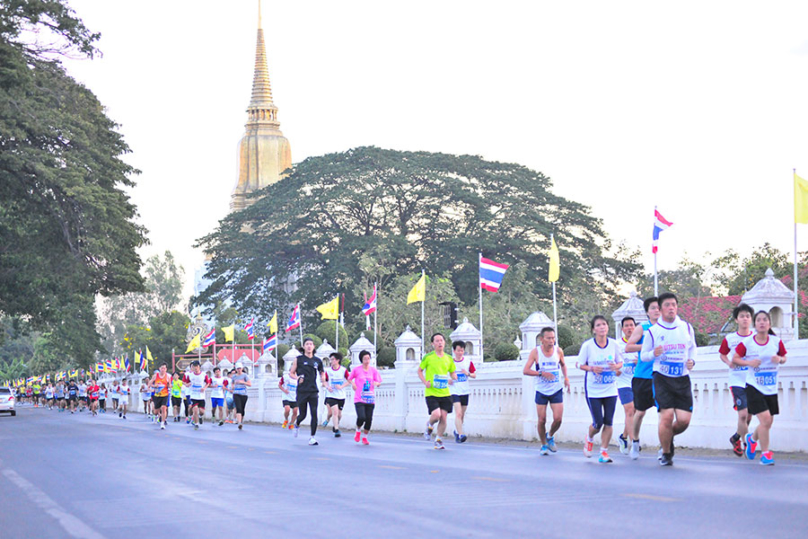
<point>700,108</point>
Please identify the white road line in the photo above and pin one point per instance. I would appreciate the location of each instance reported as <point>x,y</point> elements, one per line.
<point>71,524</point>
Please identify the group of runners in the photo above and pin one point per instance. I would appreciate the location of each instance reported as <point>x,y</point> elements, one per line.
<point>649,366</point>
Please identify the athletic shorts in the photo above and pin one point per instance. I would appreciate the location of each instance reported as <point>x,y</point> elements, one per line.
<point>198,403</point>
<point>444,403</point>
<point>73,398</point>
<point>159,402</point>
<point>602,410</point>
<point>217,402</point>
<point>759,402</point>
<point>176,401</point>
<point>673,393</point>
<point>643,389</point>
<point>330,401</point>
<point>626,395</point>
<point>290,404</point>
<point>739,401</point>
<point>60,398</point>
<point>462,400</point>
<point>555,398</point>
<point>83,399</point>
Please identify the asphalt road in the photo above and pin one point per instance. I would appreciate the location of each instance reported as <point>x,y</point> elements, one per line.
<point>78,476</point>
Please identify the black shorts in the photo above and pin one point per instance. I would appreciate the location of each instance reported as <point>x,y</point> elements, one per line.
<point>643,389</point>
<point>463,400</point>
<point>739,401</point>
<point>198,403</point>
<point>760,402</point>
<point>83,399</point>
<point>673,393</point>
<point>176,401</point>
<point>73,398</point>
<point>444,403</point>
<point>330,401</point>
<point>290,404</point>
<point>159,402</point>
<point>60,398</point>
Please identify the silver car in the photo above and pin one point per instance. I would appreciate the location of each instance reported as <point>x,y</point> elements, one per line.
<point>7,401</point>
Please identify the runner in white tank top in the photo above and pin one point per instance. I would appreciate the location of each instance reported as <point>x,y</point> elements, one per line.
<point>624,379</point>
<point>336,377</point>
<point>460,388</point>
<point>288,386</point>
<point>546,363</point>
<point>737,374</point>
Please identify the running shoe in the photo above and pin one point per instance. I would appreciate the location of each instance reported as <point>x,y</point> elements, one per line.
<point>623,444</point>
<point>551,444</point>
<point>544,450</point>
<point>457,437</point>
<point>439,444</point>
<point>120,414</point>
<point>337,434</point>
<point>325,423</point>
<point>737,446</point>
<point>163,426</point>
<point>634,453</point>
<point>356,437</point>
<point>285,424</point>
<point>296,431</point>
<point>666,460</point>
<point>767,458</point>
<point>659,454</point>
<point>428,431</point>
<point>463,438</point>
<point>240,426</point>
<point>604,457</point>
<point>124,416</point>
<point>751,447</point>
<point>291,425</point>
<point>312,441</point>
<point>187,420</point>
<point>365,442</point>
<point>588,448</point>
<point>196,426</point>
<point>221,423</point>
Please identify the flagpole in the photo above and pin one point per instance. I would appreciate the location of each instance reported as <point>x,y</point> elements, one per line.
<point>375,320</point>
<point>796,268</point>
<point>300,324</point>
<point>275,317</point>
<point>480,295</point>
<point>252,347</point>
<point>423,337</point>
<point>656,277</point>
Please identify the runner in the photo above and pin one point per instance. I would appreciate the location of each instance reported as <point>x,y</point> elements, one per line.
<point>336,382</point>
<point>434,371</point>
<point>217,384</point>
<point>176,395</point>
<point>145,396</point>
<point>198,382</point>
<point>72,395</point>
<point>82,396</point>
<point>123,393</point>
<point>737,374</point>
<point>186,398</point>
<point>601,359</point>
<point>764,353</point>
<point>642,384</point>
<point>288,387</point>
<point>624,379</point>
<point>364,379</point>
<point>546,363</point>
<point>102,398</point>
<point>49,400</point>
<point>240,384</point>
<point>228,398</point>
<point>460,389</point>
<point>160,383</point>
<point>113,394</point>
<point>35,394</point>
<point>306,368</point>
<point>672,349</point>
<point>92,396</point>
<point>59,392</point>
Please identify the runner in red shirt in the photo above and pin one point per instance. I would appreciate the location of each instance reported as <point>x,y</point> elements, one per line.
<point>92,394</point>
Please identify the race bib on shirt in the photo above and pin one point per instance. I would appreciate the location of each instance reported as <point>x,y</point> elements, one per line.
<point>440,381</point>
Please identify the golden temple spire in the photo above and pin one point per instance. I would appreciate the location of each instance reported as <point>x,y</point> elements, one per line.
<point>261,108</point>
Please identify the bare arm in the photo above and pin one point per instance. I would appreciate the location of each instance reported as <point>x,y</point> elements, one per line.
<point>636,335</point>
<point>422,377</point>
<point>531,360</point>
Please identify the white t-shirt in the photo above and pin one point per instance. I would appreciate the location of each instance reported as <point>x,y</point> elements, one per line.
<point>764,377</point>
<point>145,393</point>
<point>737,374</point>
<point>197,382</point>
<point>82,390</point>
<point>461,385</point>
<point>217,384</point>
<point>336,378</point>
<point>550,365</point>
<point>603,384</point>
<point>291,386</point>
<point>123,392</point>
<point>629,363</point>
<point>678,344</point>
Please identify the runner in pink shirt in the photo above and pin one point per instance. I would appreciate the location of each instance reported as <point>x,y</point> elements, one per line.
<point>364,380</point>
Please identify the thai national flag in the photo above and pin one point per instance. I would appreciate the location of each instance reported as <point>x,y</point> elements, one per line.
<point>660,224</point>
<point>126,363</point>
<point>143,365</point>
<point>294,321</point>
<point>249,329</point>
<point>370,304</point>
<point>271,343</point>
<point>210,338</point>
<point>491,274</point>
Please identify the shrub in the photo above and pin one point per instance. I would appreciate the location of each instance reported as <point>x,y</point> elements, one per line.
<point>572,350</point>
<point>566,337</point>
<point>506,352</point>
<point>386,357</point>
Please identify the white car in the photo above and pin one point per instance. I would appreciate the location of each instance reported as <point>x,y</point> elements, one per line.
<point>7,401</point>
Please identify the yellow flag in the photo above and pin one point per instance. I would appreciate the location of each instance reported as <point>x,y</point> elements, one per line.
<point>554,263</point>
<point>418,292</point>
<point>273,324</point>
<point>194,344</point>
<point>800,200</point>
<point>148,354</point>
<point>330,310</point>
<point>229,333</point>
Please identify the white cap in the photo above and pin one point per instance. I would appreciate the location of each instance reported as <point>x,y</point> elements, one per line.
<point>239,365</point>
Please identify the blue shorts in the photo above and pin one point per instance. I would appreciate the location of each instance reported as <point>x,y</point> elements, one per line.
<point>555,398</point>
<point>626,395</point>
<point>216,402</point>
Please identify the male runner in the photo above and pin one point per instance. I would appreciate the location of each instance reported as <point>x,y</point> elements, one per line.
<point>546,363</point>
<point>83,404</point>
<point>336,381</point>
<point>217,384</point>
<point>288,386</point>
<point>624,379</point>
<point>197,382</point>
<point>160,384</point>
<point>72,395</point>
<point>434,371</point>
<point>176,395</point>
<point>742,314</point>
<point>306,368</point>
<point>92,396</point>
<point>672,350</point>
<point>460,389</point>
<point>123,392</point>
<point>36,393</point>
<point>642,384</point>
<point>49,400</point>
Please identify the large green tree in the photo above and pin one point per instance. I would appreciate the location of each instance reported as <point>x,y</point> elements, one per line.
<point>67,228</point>
<point>406,211</point>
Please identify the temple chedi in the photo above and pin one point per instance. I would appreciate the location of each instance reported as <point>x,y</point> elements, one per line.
<point>264,153</point>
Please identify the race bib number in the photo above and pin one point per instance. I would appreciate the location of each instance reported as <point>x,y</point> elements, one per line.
<point>606,377</point>
<point>552,380</point>
<point>462,377</point>
<point>672,368</point>
<point>440,381</point>
<point>628,370</point>
<point>766,378</point>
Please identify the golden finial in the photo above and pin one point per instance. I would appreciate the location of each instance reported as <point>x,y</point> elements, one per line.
<point>259,13</point>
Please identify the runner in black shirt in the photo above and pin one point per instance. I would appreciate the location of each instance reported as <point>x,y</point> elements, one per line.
<point>72,395</point>
<point>305,368</point>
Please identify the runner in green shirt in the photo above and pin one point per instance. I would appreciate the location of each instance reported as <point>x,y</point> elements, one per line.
<point>434,372</point>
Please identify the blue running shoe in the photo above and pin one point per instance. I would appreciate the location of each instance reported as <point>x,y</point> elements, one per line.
<point>751,447</point>
<point>457,436</point>
<point>551,444</point>
<point>544,450</point>
<point>767,461</point>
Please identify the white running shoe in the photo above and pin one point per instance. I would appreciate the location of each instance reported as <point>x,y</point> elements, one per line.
<point>634,452</point>
<point>296,430</point>
<point>312,441</point>
<point>588,448</point>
